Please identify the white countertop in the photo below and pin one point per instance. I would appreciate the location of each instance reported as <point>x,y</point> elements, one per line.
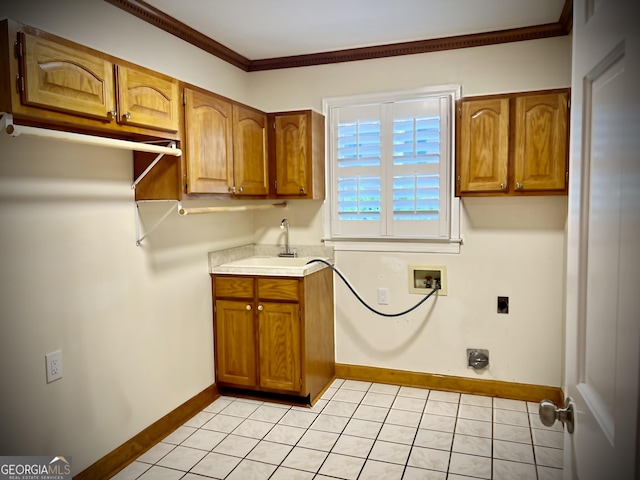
<point>264,260</point>
<point>272,266</point>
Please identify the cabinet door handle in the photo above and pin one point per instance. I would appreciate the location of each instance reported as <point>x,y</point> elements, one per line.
<point>111,114</point>
<point>126,116</point>
<point>518,185</point>
<point>302,191</point>
<point>503,186</point>
<point>248,307</point>
<point>260,308</point>
<point>241,189</point>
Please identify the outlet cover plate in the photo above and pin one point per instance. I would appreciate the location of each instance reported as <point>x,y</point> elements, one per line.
<point>383,296</point>
<point>54,365</point>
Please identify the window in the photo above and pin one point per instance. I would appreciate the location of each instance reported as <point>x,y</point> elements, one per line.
<point>390,166</point>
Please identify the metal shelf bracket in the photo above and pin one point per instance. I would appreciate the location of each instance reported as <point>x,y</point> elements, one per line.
<point>172,148</point>
<point>139,235</point>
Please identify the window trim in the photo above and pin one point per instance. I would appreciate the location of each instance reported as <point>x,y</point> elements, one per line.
<point>423,245</point>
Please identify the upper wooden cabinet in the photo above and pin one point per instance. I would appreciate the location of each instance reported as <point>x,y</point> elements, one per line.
<point>297,154</point>
<point>514,144</point>
<point>53,81</point>
<point>65,79</point>
<point>147,99</point>
<point>541,142</point>
<point>225,152</point>
<point>208,147</point>
<point>250,154</point>
<point>228,148</point>
<point>225,146</point>
<point>483,145</point>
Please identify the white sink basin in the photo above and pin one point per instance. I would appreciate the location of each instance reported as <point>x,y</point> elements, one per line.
<point>264,265</point>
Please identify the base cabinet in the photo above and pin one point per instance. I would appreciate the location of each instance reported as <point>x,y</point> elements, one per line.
<point>274,334</point>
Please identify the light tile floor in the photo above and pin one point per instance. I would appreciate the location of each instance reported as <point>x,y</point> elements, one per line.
<point>359,430</point>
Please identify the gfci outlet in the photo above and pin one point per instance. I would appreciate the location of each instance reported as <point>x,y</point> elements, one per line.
<point>423,278</point>
<point>54,365</point>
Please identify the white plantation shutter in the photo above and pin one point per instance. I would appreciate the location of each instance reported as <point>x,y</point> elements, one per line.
<point>359,169</point>
<point>391,164</point>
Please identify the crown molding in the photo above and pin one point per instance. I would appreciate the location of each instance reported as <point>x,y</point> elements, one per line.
<point>411,48</point>
<point>566,17</point>
<point>169,24</point>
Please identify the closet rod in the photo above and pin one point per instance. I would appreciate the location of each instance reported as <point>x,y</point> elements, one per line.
<point>239,208</point>
<point>14,130</point>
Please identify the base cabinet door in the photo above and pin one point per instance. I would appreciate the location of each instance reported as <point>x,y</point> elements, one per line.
<point>279,346</point>
<point>235,343</point>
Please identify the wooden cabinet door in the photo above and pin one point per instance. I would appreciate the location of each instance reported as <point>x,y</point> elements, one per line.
<point>292,157</point>
<point>297,167</point>
<point>540,150</point>
<point>483,155</point>
<point>61,78</point>
<point>235,343</point>
<point>208,145</point>
<point>147,99</point>
<point>279,346</point>
<point>249,151</point>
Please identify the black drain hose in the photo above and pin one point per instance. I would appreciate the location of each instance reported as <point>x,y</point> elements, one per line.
<point>363,302</point>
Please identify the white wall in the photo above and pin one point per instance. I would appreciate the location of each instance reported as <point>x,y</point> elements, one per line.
<point>512,246</point>
<point>134,323</point>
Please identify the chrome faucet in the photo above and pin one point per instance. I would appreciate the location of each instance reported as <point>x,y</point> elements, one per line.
<point>287,251</point>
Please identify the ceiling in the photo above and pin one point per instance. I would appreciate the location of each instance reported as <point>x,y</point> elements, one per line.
<point>256,31</point>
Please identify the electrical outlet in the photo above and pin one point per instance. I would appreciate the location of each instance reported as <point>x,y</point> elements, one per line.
<point>54,365</point>
<point>503,304</point>
<point>383,296</point>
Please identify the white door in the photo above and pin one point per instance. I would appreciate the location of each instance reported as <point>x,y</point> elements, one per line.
<point>603,264</point>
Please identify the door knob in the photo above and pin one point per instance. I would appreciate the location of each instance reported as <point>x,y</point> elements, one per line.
<point>549,413</point>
